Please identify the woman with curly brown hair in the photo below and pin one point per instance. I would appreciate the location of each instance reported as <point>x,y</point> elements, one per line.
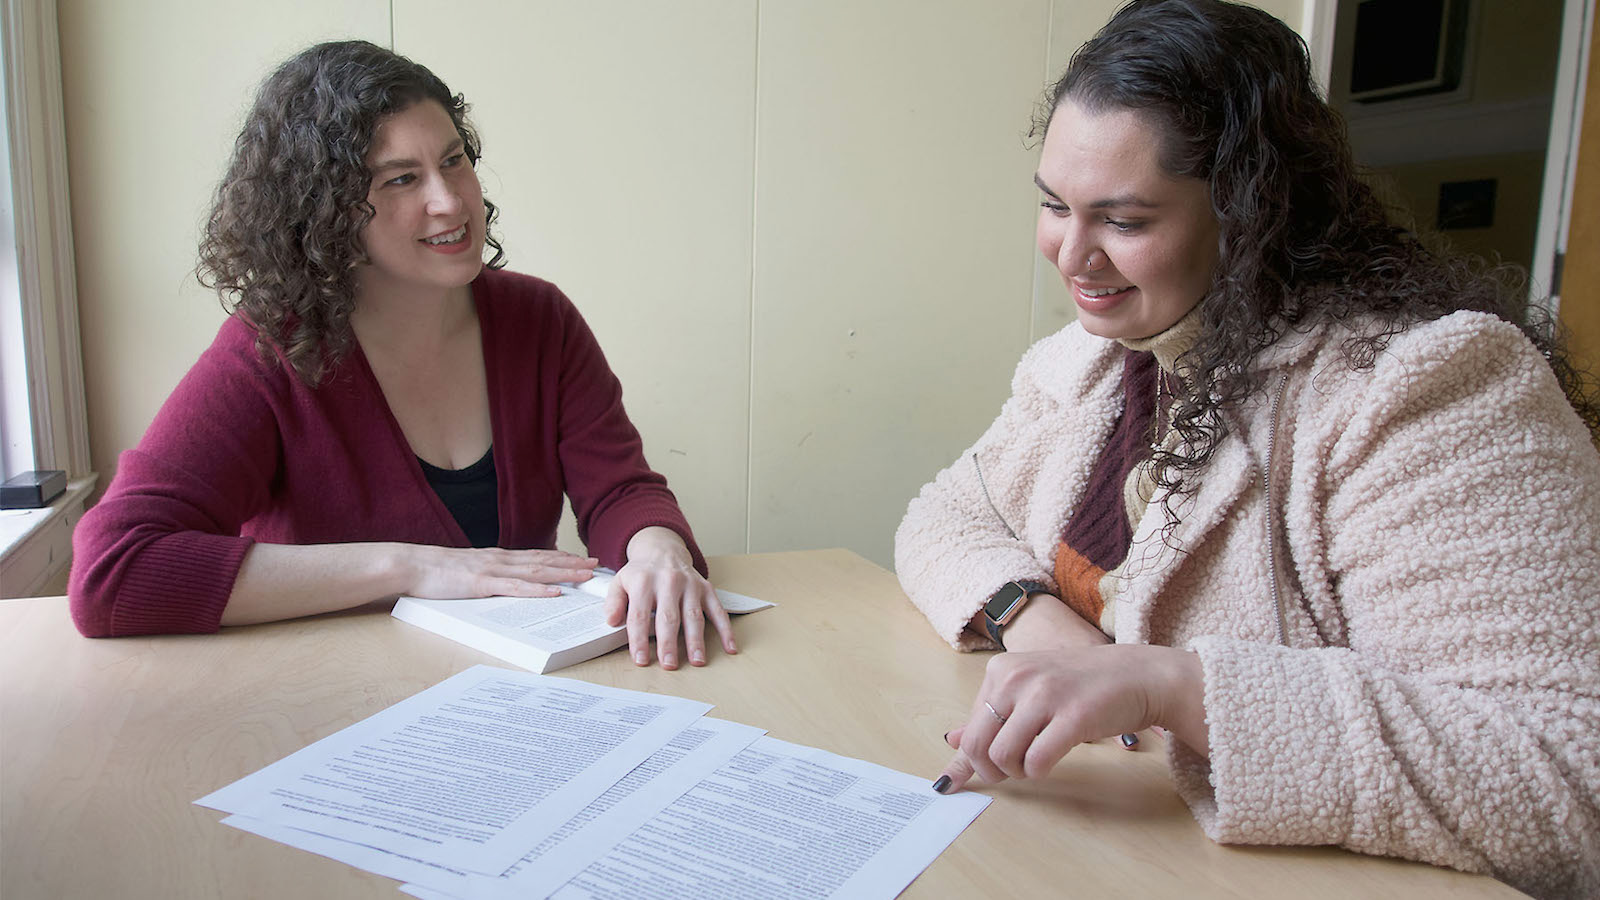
<point>1319,501</point>
<point>382,413</point>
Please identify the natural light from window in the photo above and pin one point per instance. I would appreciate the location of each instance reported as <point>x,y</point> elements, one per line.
<point>16,422</point>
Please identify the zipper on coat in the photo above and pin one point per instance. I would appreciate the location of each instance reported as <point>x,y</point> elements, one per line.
<point>992,508</point>
<point>1272,512</point>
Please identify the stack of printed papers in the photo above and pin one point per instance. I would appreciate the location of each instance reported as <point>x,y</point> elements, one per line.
<point>497,783</point>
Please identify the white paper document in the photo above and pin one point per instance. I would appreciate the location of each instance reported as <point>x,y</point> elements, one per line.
<point>467,774</point>
<point>697,752</point>
<point>694,753</point>
<point>778,821</point>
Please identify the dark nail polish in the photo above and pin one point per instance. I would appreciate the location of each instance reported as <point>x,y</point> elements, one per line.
<point>943,784</point>
<point>947,737</point>
<point>1130,741</point>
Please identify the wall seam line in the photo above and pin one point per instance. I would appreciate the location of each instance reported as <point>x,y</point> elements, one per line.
<point>750,326</point>
<point>1034,297</point>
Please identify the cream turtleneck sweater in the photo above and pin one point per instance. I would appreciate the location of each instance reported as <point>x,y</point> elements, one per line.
<point>1167,346</point>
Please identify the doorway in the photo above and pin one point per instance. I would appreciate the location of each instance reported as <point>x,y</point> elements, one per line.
<point>1463,152</point>
<point>1486,155</point>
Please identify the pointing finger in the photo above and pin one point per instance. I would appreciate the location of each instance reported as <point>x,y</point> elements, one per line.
<point>956,775</point>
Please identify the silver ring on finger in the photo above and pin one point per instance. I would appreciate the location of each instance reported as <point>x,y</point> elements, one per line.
<point>994,712</point>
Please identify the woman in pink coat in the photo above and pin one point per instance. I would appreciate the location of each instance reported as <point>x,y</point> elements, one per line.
<point>1318,500</point>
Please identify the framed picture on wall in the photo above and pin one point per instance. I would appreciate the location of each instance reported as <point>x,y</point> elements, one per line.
<point>1404,48</point>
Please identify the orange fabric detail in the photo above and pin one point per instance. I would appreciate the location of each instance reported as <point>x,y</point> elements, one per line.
<point>1079,580</point>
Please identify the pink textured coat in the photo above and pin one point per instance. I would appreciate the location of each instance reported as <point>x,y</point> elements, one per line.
<point>1437,528</point>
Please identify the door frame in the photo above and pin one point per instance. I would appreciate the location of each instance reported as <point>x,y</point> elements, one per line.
<point>1318,19</point>
<point>1561,156</point>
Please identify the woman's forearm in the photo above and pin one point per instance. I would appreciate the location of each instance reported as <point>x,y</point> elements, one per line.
<point>286,581</point>
<point>1047,623</point>
<point>659,543</point>
<point>1183,709</point>
<point>283,581</point>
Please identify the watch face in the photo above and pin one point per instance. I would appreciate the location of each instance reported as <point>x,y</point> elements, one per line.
<point>1003,601</point>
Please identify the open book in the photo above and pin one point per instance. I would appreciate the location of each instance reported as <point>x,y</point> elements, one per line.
<point>541,634</point>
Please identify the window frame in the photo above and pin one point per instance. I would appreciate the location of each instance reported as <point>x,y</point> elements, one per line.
<point>46,270</point>
<point>36,545</point>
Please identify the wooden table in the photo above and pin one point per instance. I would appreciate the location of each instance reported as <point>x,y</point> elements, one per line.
<point>104,744</point>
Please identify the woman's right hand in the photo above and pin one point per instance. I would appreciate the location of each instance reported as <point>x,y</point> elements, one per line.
<point>454,573</point>
<point>1034,707</point>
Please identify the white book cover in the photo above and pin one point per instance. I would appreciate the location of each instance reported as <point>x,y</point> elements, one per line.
<point>541,634</point>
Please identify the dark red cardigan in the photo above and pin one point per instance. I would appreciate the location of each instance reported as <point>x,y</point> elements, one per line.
<point>244,451</point>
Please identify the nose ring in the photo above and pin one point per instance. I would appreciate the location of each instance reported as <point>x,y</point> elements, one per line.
<point>1089,261</point>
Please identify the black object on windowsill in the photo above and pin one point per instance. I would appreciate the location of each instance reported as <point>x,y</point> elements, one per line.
<point>31,490</point>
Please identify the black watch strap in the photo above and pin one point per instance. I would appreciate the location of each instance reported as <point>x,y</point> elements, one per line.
<point>1004,604</point>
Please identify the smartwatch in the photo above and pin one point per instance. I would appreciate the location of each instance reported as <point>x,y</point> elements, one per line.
<point>1004,604</point>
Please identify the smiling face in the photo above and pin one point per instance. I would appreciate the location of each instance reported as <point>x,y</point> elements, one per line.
<point>1135,245</point>
<point>428,224</point>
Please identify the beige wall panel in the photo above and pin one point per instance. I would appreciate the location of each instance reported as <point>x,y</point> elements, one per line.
<point>893,232</point>
<point>155,92</point>
<point>618,143</point>
<point>1292,12</point>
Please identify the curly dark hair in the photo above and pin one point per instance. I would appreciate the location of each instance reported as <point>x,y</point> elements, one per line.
<point>1301,236</point>
<point>283,243</point>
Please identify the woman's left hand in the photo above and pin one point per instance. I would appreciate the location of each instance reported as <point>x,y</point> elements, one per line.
<point>1046,703</point>
<point>659,584</point>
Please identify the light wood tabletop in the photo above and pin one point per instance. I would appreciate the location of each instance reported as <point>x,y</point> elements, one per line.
<point>105,744</point>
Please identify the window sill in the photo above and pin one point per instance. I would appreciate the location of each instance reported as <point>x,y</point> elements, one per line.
<point>36,544</point>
